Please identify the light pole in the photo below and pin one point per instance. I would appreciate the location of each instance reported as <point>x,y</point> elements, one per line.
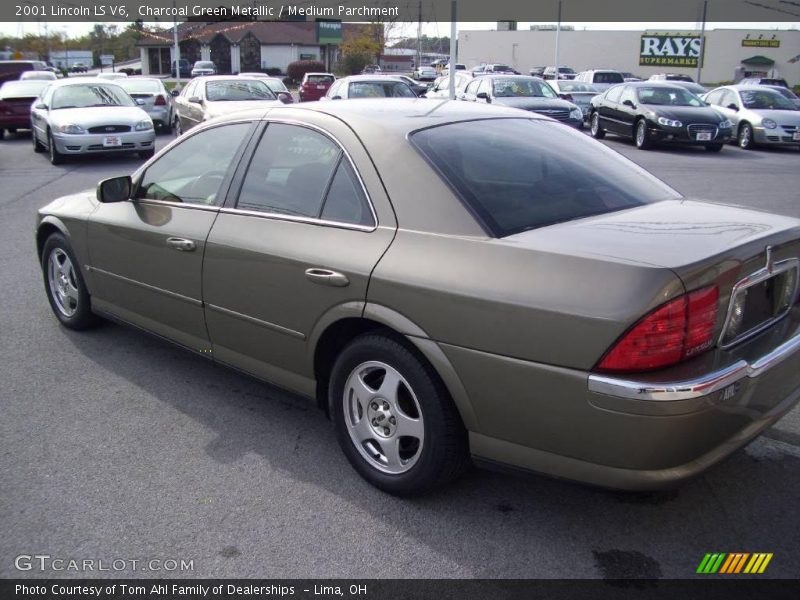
<point>177,48</point>
<point>451,74</point>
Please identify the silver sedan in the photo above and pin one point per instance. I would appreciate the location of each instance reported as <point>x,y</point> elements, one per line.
<point>89,116</point>
<point>760,115</point>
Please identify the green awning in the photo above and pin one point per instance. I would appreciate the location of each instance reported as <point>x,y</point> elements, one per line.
<point>758,60</point>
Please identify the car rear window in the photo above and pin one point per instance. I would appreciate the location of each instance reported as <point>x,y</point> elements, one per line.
<point>608,78</point>
<point>521,174</point>
<point>319,79</point>
<point>140,85</point>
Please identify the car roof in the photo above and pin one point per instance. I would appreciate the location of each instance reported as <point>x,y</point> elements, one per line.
<point>320,73</point>
<point>81,80</point>
<point>373,77</point>
<point>372,119</point>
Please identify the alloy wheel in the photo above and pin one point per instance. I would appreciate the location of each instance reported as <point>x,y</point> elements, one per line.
<point>383,417</point>
<point>62,282</point>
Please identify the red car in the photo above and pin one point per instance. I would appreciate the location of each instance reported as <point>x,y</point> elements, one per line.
<point>315,86</point>
<point>16,98</point>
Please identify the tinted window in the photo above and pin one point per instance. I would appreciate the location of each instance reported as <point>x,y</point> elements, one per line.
<point>290,172</point>
<point>608,78</point>
<point>193,171</point>
<point>345,201</point>
<point>519,174</point>
<point>319,78</point>
<point>672,96</point>
<point>520,87</point>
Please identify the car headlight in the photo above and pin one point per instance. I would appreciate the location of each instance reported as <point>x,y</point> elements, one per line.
<point>726,124</point>
<point>769,123</point>
<point>576,113</point>
<point>70,128</point>
<point>669,122</point>
<point>145,125</point>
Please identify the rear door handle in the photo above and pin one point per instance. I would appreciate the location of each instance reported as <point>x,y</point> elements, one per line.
<point>327,277</point>
<point>181,244</point>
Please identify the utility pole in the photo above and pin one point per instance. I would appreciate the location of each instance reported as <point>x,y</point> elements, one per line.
<point>702,42</point>
<point>419,36</point>
<point>558,35</point>
<point>177,48</point>
<point>452,71</point>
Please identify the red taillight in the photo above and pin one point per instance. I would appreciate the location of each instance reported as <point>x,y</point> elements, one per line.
<point>160,101</point>
<point>671,333</point>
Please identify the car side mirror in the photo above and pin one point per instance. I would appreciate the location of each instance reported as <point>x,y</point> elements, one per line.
<point>40,106</point>
<point>732,106</point>
<point>174,93</point>
<point>484,96</point>
<point>336,97</point>
<point>285,97</point>
<point>139,101</point>
<point>629,103</point>
<point>195,100</point>
<point>116,189</point>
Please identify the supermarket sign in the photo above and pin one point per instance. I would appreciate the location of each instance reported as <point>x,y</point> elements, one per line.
<point>670,49</point>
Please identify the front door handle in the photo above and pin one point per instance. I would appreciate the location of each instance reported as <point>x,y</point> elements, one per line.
<point>181,244</point>
<point>327,277</point>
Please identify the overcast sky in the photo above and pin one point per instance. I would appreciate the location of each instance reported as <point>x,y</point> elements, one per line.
<point>410,29</point>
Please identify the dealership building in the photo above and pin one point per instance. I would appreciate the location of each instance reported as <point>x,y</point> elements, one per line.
<point>237,47</point>
<point>643,53</point>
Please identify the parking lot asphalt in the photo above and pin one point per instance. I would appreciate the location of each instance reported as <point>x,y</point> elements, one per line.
<point>116,445</point>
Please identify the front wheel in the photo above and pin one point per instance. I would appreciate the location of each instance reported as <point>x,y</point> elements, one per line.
<point>37,145</point>
<point>176,127</point>
<point>64,284</point>
<point>594,127</point>
<point>56,158</point>
<point>640,136</point>
<point>746,137</point>
<point>394,419</point>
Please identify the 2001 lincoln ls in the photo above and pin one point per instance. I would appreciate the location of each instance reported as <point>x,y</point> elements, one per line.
<point>449,281</point>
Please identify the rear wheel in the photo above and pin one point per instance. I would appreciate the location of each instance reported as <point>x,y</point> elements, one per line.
<point>394,419</point>
<point>2,133</point>
<point>597,131</point>
<point>64,284</point>
<point>714,148</point>
<point>746,137</point>
<point>176,127</point>
<point>640,136</point>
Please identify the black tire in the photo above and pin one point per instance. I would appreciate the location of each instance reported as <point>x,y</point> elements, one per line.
<point>2,133</point>
<point>12,130</point>
<point>596,130</point>
<point>147,154</point>
<point>166,127</point>
<point>713,147</point>
<point>37,145</point>
<point>745,137</point>
<point>443,453</point>
<point>176,127</point>
<point>640,137</point>
<point>56,158</point>
<point>82,317</point>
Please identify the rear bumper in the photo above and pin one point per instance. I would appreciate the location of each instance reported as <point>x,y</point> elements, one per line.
<point>15,121</point>
<point>629,433</point>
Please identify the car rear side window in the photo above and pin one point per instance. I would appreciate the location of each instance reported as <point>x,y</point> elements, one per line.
<point>520,174</point>
<point>297,171</point>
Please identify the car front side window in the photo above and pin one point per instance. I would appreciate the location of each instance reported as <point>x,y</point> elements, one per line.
<point>193,171</point>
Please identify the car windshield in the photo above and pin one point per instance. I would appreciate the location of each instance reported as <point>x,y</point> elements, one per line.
<point>786,93</point>
<point>574,86</point>
<point>276,85</point>
<point>668,96</point>
<point>520,174</point>
<point>90,94</point>
<point>608,78</point>
<point>140,86</point>
<point>765,100</point>
<point>379,89</point>
<point>22,89</point>
<point>565,70</point>
<point>515,87</point>
<point>203,65</point>
<point>319,79</point>
<point>237,90</point>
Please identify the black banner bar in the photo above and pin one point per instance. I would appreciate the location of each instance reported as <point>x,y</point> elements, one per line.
<point>703,587</point>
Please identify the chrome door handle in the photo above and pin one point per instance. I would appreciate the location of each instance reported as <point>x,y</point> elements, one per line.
<point>327,277</point>
<point>180,244</point>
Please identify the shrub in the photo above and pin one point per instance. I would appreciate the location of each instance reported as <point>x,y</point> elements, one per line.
<point>299,68</point>
<point>273,71</point>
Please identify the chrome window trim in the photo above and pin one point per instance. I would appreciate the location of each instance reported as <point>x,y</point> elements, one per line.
<point>375,223</point>
<point>297,219</point>
<point>753,279</point>
<point>154,202</point>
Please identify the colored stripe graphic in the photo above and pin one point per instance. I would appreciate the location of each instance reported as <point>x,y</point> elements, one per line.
<point>734,563</point>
